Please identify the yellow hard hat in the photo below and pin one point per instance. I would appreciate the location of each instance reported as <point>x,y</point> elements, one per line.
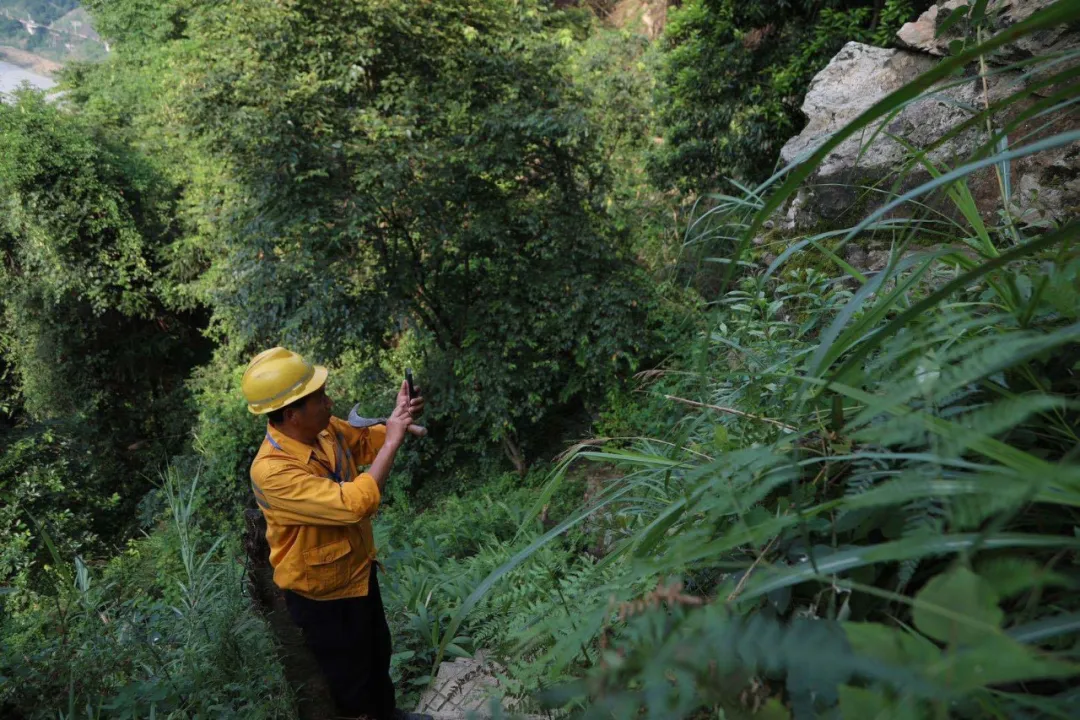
<point>277,377</point>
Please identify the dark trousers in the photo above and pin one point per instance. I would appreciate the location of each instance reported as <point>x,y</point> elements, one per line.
<point>351,642</point>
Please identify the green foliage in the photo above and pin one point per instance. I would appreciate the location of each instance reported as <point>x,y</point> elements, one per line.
<point>95,364</point>
<point>971,603</point>
<point>225,438</point>
<point>141,637</point>
<point>733,76</point>
<point>436,558</point>
<point>44,483</point>
<point>616,70</point>
<point>445,182</point>
<point>80,213</point>
<point>138,23</point>
<point>775,518</point>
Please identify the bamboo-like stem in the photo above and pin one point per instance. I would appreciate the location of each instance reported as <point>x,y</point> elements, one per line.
<point>732,411</point>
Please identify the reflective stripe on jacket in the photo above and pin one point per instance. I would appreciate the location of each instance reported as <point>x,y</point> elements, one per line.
<point>318,509</point>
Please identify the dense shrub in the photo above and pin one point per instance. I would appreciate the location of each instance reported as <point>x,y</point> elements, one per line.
<point>95,364</point>
<point>438,177</point>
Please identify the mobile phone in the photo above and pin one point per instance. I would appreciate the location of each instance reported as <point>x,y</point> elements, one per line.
<point>408,380</point>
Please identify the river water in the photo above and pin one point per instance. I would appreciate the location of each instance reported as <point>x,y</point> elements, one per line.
<point>11,76</point>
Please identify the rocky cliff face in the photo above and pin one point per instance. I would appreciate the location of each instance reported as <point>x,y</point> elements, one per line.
<point>652,14</point>
<point>1045,186</point>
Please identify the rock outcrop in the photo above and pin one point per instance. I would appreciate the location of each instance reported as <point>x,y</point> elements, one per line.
<point>922,34</point>
<point>651,14</point>
<point>1045,187</point>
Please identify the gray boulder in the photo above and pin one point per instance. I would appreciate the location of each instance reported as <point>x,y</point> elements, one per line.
<point>859,173</point>
<point>856,78</point>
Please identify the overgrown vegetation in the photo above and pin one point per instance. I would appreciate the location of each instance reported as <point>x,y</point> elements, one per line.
<point>164,628</point>
<point>734,73</point>
<point>810,489</point>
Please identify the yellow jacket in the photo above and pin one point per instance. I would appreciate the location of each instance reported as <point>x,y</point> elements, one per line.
<point>318,509</point>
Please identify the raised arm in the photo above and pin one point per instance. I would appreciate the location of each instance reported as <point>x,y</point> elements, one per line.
<point>290,495</point>
<point>396,426</point>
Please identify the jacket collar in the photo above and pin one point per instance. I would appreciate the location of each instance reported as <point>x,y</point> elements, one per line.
<point>300,451</point>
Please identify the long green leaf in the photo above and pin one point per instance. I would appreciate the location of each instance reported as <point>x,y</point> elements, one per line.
<point>1047,628</point>
<point>1013,458</point>
<point>906,549</point>
<point>1063,234</point>
<point>835,341</point>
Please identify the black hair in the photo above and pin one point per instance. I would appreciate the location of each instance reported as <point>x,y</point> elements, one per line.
<point>276,417</point>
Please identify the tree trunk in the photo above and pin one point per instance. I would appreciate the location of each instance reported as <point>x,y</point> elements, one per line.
<point>878,6</point>
<point>514,454</point>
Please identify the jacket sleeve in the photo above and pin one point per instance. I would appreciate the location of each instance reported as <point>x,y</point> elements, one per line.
<point>363,443</point>
<point>290,495</point>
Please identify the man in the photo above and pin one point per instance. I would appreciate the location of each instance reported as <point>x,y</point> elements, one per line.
<point>318,508</point>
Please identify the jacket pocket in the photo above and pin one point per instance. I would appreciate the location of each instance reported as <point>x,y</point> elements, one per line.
<point>327,566</point>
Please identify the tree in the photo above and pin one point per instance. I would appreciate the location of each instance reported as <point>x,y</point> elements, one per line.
<point>423,167</point>
<point>95,362</point>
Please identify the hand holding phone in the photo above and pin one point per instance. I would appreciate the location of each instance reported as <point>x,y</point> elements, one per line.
<point>416,402</point>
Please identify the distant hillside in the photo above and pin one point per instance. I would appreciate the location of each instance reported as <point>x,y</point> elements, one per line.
<point>43,12</point>
<point>78,23</point>
<point>41,33</point>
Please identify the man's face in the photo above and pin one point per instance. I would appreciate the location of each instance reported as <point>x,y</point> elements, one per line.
<point>313,416</point>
